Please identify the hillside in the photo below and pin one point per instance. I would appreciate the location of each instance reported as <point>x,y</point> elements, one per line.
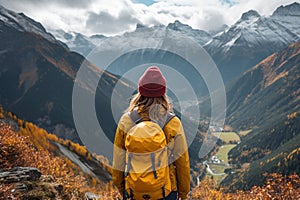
<point>25,145</point>
<point>37,74</point>
<point>266,92</point>
<point>270,149</point>
<point>265,100</point>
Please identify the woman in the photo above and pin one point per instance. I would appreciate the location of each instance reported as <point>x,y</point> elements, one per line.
<point>151,105</point>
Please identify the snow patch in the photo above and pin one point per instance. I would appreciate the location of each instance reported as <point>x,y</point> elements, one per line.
<point>233,40</point>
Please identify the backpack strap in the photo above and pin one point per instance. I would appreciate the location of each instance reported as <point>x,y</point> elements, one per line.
<point>153,165</point>
<point>163,122</point>
<point>128,164</point>
<point>136,118</point>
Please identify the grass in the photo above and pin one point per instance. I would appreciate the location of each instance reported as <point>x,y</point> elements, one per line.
<point>222,154</point>
<point>217,169</point>
<point>244,133</point>
<point>227,136</point>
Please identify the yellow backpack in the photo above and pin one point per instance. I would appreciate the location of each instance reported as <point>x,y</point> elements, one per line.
<point>147,160</point>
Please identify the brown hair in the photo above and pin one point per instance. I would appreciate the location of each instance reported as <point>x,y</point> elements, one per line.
<point>155,107</point>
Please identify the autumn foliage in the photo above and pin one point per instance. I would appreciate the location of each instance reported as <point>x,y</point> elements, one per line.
<point>276,187</point>
<point>32,146</point>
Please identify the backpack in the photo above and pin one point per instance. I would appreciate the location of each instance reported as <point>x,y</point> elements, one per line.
<point>147,159</point>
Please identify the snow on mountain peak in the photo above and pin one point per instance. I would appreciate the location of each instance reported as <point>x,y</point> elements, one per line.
<point>200,36</point>
<point>289,10</point>
<point>250,14</point>
<point>22,23</point>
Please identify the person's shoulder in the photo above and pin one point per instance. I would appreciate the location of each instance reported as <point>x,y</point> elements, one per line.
<point>174,121</point>
<point>173,127</point>
<point>174,118</point>
<point>125,120</point>
<point>125,117</point>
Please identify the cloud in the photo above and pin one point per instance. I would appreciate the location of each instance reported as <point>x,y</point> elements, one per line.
<point>210,20</point>
<point>115,17</point>
<point>43,4</point>
<point>107,23</point>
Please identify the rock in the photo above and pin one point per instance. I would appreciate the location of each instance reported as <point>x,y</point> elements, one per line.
<point>92,196</point>
<point>19,187</point>
<point>27,183</point>
<point>19,174</point>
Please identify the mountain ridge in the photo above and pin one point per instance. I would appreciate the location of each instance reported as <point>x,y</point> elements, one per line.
<point>21,22</point>
<point>251,39</point>
<point>292,9</point>
<point>234,49</point>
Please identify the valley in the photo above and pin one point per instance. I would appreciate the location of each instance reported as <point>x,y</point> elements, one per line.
<point>218,166</point>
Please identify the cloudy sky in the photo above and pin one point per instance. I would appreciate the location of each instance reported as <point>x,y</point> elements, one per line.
<point>111,17</point>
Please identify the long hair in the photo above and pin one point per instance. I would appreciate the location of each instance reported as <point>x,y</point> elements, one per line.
<point>155,107</point>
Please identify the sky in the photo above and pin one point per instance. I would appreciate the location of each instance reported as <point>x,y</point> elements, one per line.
<point>113,17</point>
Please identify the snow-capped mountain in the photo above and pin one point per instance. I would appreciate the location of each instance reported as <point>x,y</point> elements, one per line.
<point>153,45</point>
<point>235,49</point>
<point>290,10</point>
<point>199,35</point>
<point>84,44</point>
<point>254,37</point>
<point>76,41</point>
<point>22,23</point>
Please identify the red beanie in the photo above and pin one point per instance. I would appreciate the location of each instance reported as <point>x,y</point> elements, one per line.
<point>152,83</point>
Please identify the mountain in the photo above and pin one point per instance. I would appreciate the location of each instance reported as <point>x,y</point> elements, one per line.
<point>289,10</point>
<point>252,38</point>
<point>37,75</point>
<point>83,44</point>
<point>266,100</point>
<point>22,23</point>
<point>144,47</point>
<point>78,42</point>
<point>200,36</point>
<point>234,49</point>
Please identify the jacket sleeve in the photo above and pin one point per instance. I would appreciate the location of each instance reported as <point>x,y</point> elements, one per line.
<point>119,158</point>
<point>181,157</point>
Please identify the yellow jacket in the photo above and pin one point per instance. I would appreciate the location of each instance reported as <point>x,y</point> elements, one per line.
<point>179,170</point>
